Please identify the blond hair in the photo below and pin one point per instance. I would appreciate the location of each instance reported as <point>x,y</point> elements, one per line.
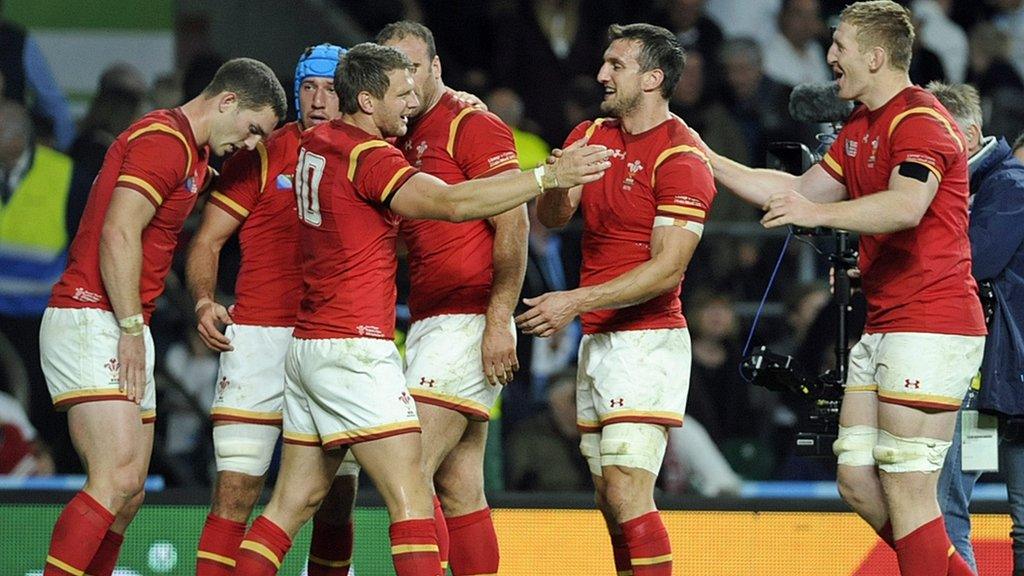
<point>884,24</point>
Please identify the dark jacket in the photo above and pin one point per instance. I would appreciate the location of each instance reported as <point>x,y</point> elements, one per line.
<point>997,248</point>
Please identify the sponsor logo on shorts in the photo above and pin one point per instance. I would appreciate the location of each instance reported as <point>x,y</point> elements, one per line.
<point>915,384</point>
<point>83,295</point>
<point>112,367</point>
<point>617,402</point>
<point>408,401</point>
<point>428,382</point>
<point>222,386</point>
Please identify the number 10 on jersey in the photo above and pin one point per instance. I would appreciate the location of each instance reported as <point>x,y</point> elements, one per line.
<point>307,186</point>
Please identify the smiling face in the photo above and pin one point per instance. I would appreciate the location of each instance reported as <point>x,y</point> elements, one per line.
<point>851,66</point>
<point>318,101</point>
<point>391,114</point>
<point>621,77</point>
<point>234,127</point>
<point>426,74</point>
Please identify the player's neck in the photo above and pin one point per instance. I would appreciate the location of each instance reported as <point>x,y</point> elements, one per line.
<point>364,122</point>
<point>434,99</point>
<point>646,116</point>
<point>885,89</point>
<point>198,111</point>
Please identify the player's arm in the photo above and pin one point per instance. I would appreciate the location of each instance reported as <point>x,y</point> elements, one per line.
<point>201,274</point>
<point>511,238</point>
<point>912,187</point>
<point>672,248</point>
<point>121,268</point>
<point>425,196</point>
<point>757,185</point>
<point>556,207</point>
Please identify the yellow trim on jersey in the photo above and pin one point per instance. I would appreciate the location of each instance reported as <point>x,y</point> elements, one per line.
<point>353,159</point>
<point>682,210</point>
<point>391,183</point>
<point>933,113</point>
<point>862,388</point>
<point>453,129</point>
<point>683,148</point>
<point>651,561</point>
<point>593,128</point>
<point>330,563</point>
<point>264,165</point>
<point>64,566</point>
<point>157,127</point>
<point>261,550</point>
<point>833,164</point>
<point>238,208</point>
<point>144,185</point>
<point>203,554</point>
<point>412,548</point>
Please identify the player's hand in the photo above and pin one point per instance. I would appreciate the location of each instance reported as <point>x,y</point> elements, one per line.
<point>581,163</point>
<point>549,313</point>
<point>131,369</point>
<point>554,155</point>
<point>470,99</point>
<point>498,350</point>
<point>784,208</point>
<point>211,316</point>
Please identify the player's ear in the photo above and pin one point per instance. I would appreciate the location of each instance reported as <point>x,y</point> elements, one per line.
<point>227,101</point>
<point>877,58</point>
<point>367,103</point>
<point>435,66</point>
<point>652,80</point>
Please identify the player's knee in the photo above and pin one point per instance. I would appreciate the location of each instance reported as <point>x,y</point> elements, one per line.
<point>632,445</point>
<point>132,506</point>
<point>855,445</point>
<point>244,448</point>
<point>896,454</point>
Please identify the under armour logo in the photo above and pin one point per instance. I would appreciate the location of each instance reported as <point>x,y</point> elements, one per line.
<point>426,382</point>
<point>617,402</point>
<point>916,384</point>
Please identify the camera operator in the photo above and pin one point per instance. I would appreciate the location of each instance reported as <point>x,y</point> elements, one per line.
<point>897,174</point>
<point>997,249</point>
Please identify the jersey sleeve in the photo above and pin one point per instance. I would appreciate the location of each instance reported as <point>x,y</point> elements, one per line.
<point>380,173</point>
<point>578,132</point>
<point>833,160</point>
<point>483,145</point>
<point>155,163</point>
<point>925,137</point>
<point>684,189</point>
<point>242,182</point>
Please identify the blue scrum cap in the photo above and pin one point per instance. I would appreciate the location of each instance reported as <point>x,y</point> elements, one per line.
<point>316,61</point>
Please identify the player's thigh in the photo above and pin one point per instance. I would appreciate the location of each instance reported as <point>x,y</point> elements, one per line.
<point>463,467</point>
<point>110,437</point>
<point>442,431</point>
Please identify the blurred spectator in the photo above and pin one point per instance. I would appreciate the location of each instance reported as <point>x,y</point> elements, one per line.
<point>166,92</point>
<point>531,148</point>
<point>743,18</point>
<point>1000,85</point>
<point>694,102</point>
<point>22,452</point>
<point>760,104</point>
<point>1009,18</point>
<point>194,367</point>
<point>543,451</point>
<point>119,101</point>
<point>30,81</point>
<point>40,207</point>
<point>793,53</point>
<point>803,303</point>
<point>692,26</point>
<point>694,464</point>
<point>941,35</point>
<point>198,74</point>
<point>925,64</point>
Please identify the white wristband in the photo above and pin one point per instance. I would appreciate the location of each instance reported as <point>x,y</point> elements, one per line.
<point>538,174</point>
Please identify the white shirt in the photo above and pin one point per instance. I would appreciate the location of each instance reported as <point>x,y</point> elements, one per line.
<point>944,37</point>
<point>787,65</point>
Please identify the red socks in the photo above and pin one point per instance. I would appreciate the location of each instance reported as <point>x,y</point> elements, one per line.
<point>262,549</point>
<point>105,559</point>
<point>927,551</point>
<point>77,535</point>
<point>442,533</point>
<point>474,545</point>
<point>620,549</point>
<point>218,546</point>
<point>650,551</point>
<point>414,548</point>
<point>330,551</point>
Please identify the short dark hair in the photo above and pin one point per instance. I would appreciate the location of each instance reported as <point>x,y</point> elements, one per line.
<point>404,28</point>
<point>659,49</point>
<point>253,81</point>
<point>365,68</point>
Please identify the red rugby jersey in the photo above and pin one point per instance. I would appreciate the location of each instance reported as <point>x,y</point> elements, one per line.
<point>256,187</point>
<point>662,172</point>
<point>157,157</point>
<point>345,179</point>
<point>450,264</point>
<point>919,279</point>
